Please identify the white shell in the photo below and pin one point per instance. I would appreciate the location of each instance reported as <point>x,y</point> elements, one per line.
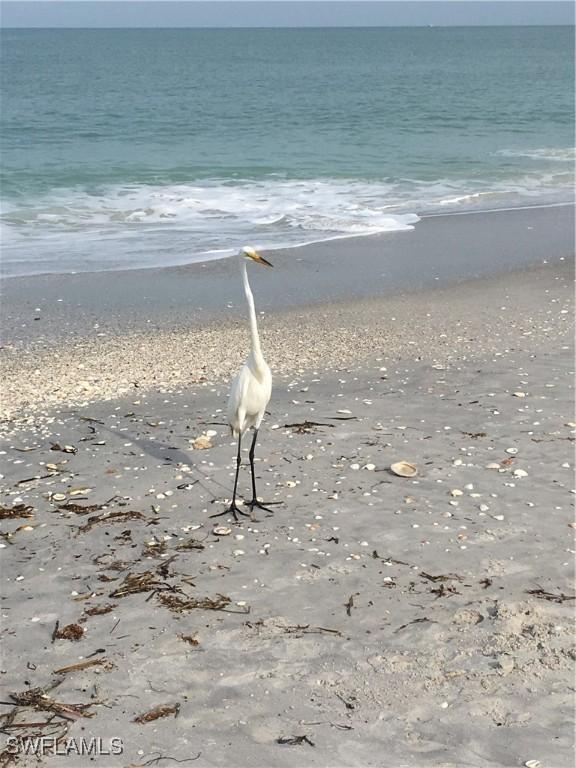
<point>404,469</point>
<point>222,530</point>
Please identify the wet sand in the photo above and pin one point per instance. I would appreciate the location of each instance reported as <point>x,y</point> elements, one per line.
<point>440,250</point>
<point>428,620</point>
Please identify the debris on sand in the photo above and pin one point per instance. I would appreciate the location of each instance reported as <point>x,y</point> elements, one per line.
<point>553,598</point>
<point>190,543</point>
<point>83,509</point>
<point>63,448</point>
<point>17,511</point>
<point>306,427</point>
<point>100,610</point>
<point>103,663</point>
<point>202,443</point>
<point>190,639</point>
<point>69,632</point>
<point>155,714</point>
<point>181,603</point>
<point>295,740</point>
<point>113,517</point>
<point>138,582</point>
<point>38,699</point>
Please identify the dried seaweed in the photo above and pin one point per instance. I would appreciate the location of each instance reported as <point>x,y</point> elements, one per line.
<point>299,629</point>
<point>190,639</point>
<point>38,699</point>
<point>138,582</point>
<point>69,632</point>
<point>17,511</point>
<point>306,427</point>
<point>295,740</point>
<point>190,543</point>
<point>100,610</point>
<point>83,509</point>
<point>542,594</point>
<point>414,621</point>
<point>112,517</point>
<point>158,712</point>
<point>442,577</point>
<point>445,591</point>
<point>179,604</point>
<point>154,548</point>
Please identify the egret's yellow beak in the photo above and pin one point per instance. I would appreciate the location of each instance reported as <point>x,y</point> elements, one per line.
<point>261,260</point>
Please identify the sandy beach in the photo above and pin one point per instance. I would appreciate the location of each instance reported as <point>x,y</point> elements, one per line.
<point>371,619</point>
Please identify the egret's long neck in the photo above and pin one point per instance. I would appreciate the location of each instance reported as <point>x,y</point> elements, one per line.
<point>257,352</point>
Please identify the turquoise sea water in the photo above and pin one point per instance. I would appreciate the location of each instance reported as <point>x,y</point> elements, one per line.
<point>127,148</point>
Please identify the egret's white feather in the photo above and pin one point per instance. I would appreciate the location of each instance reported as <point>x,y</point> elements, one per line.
<point>249,395</point>
<point>251,388</point>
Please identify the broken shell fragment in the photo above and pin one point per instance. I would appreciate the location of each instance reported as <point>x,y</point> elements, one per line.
<point>222,530</point>
<point>404,469</point>
<point>202,442</point>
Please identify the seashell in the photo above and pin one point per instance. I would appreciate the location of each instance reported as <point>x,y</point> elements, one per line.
<point>222,530</point>
<point>202,443</point>
<point>492,465</point>
<point>59,496</point>
<point>370,467</point>
<point>79,491</point>
<point>520,473</point>
<point>533,764</point>
<point>519,394</point>
<point>404,469</point>
<point>456,492</point>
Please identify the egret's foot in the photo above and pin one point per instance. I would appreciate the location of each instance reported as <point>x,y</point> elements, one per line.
<point>254,503</point>
<point>232,510</point>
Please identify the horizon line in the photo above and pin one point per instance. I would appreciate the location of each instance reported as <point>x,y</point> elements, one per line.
<point>307,26</point>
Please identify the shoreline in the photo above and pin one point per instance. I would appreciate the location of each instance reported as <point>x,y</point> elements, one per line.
<point>443,249</point>
<point>286,247</point>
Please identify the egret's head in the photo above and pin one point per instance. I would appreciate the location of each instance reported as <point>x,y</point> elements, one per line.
<point>252,255</point>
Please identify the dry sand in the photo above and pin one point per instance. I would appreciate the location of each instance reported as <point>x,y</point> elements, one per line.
<point>371,620</point>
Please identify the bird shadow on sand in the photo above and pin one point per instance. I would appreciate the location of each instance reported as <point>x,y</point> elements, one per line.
<point>170,455</point>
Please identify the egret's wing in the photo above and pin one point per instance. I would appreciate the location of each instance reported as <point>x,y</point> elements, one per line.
<point>237,399</point>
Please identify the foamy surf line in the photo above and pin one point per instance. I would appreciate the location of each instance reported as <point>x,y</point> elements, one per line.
<point>130,227</point>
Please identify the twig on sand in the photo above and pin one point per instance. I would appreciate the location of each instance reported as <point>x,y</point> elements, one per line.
<point>553,598</point>
<point>156,760</point>
<point>292,740</point>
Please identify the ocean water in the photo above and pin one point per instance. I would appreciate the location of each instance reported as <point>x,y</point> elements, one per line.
<point>139,148</point>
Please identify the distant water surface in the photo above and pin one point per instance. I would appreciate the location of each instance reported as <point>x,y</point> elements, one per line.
<point>131,148</point>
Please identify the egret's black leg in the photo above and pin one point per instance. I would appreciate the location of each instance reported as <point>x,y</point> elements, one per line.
<point>254,502</point>
<point>233,509</point>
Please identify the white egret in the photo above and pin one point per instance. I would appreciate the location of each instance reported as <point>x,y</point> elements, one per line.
<point>250,391</point>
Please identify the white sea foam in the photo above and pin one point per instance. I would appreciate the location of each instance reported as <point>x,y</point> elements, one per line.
<point>131,226</point>
<point>563,154</point>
